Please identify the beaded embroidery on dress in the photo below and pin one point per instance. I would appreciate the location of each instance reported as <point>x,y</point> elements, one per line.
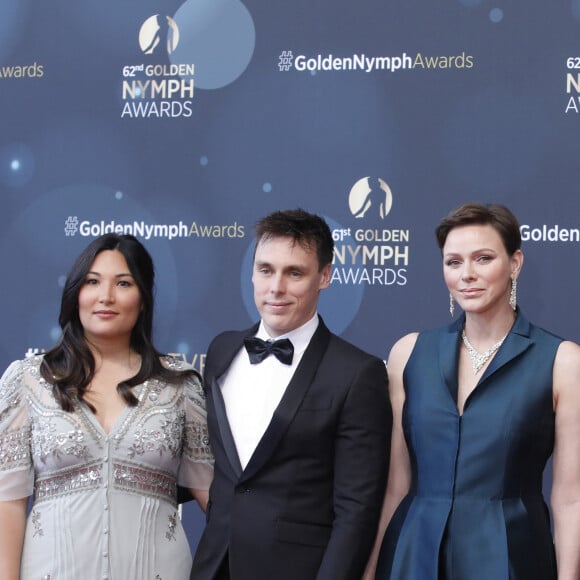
<point>104,504</point>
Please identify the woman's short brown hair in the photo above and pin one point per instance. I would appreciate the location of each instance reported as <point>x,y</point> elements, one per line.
<point>497,216</point>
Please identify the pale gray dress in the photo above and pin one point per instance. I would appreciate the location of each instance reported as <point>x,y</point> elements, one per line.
<point>104,504</point>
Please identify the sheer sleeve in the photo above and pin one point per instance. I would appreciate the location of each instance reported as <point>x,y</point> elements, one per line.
<point>196,469</point>
<point>16,470</point>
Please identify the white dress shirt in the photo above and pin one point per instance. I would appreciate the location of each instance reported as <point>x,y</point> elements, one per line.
<point>252,392</point>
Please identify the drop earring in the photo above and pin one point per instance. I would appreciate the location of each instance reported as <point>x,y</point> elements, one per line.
<point>451,305</point>
<point>513,301</point>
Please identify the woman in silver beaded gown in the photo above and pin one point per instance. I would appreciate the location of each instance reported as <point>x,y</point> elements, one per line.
<point>101,430</point>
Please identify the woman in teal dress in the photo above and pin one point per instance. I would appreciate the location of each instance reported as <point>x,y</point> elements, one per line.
<point>478,409</point>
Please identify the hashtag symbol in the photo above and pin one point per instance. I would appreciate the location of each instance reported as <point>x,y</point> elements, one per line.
<point>286,59</point>
<point>71,225</point>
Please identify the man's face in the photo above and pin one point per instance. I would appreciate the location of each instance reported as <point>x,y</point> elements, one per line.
<point>286,284</point>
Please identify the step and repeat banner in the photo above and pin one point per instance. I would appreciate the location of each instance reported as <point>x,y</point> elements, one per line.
<point>184,122</point>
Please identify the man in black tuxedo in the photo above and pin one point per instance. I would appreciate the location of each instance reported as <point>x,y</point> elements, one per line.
<point>300,428</point>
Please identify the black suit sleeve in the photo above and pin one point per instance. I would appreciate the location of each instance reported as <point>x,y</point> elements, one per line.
<point>362,449</point>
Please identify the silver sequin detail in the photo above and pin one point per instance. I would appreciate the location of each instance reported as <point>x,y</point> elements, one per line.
<point>170,534</point>
<point>48,440</point>
<point>79,479</point>
<point>14,448</point>
<point>166,439</point>
<point>145,481</point>
<point>35,519</point>
<point>197,441</point>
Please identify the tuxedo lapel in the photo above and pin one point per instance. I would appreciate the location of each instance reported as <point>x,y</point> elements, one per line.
<point>225,432</point>
<point>293,396</point>
<point>230,346</point>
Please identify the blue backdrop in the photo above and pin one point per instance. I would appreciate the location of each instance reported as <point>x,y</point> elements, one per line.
<point>183,122</point>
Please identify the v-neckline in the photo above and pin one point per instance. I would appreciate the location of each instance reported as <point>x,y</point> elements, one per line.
<point>120,417</point>
<point>138,391</point>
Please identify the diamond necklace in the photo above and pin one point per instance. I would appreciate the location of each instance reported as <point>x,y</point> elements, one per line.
<point>479,359</point>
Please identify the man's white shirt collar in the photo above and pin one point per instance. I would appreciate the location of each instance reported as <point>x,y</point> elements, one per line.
<point>300,337</point>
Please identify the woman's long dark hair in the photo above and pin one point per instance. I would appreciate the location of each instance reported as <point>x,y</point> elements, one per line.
<point>70,365</point>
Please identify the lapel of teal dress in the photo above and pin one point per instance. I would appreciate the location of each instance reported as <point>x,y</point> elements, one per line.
<point>516,343</point>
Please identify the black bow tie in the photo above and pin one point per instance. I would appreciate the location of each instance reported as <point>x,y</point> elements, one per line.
<point>259,349</point>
